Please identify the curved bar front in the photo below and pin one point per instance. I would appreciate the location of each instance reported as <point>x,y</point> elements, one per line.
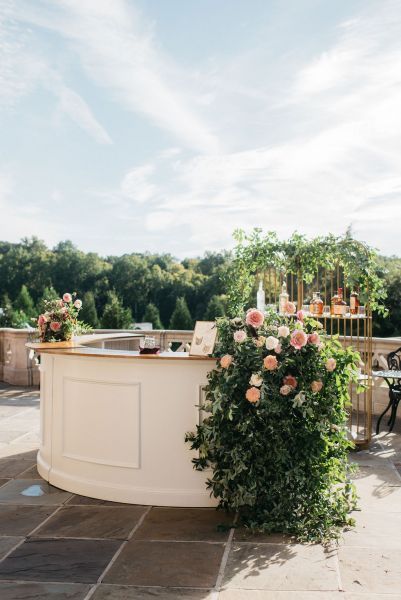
<point>113,425</point>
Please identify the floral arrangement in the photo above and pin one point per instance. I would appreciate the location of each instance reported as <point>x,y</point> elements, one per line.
<point>275,434</point>
<point>60,322</point>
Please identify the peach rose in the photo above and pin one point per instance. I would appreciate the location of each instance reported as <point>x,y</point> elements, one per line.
<point>314,338</point>
<point>225,361</point>
<point>271,342</point>
<point>298,339</point>
<point>270,362</point>
<point>41,320</point>
<point>291,381</point>
<point>240,336</point>
<point>260,341</point>
<point>316,386</point>
<point>252,394</point>
<point>255,318</point>
<point>67,297</point>
<point>78,304</point>
<point>55,326</point>
<point>290,308</point>
<point>285,390</point>
<point>283,331</point>
<point>278,349</point>
<point>331,364</point>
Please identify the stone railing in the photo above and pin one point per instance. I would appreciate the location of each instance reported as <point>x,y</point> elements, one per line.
<point>18,367</point>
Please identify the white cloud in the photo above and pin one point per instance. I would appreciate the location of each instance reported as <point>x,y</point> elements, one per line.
<point>119,54</point>
<point>23,69</point>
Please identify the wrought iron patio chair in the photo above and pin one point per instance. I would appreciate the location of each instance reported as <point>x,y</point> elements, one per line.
<point>394,387</point>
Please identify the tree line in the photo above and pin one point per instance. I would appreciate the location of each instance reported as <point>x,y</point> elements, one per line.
<point>119,291</point>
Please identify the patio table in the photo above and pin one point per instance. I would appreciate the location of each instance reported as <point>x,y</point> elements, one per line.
<point>393,379</point>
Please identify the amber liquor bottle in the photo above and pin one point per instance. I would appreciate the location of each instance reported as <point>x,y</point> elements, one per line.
<point>316,305</point>
<point>354,303</point>
<point>338,307</point>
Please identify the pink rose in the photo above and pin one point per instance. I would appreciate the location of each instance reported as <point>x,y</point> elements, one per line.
<point>291,381</point>
<point>41,320</point>
<point>278,349</point>
<point>270,362</point>
<point>285,390</point>
<point>254,318</point>
<point>55,326</point>
<point>300,315</point>
<point>78,304</point>
<point>331,364</point>
<point>283,331</point>
<point>67,297</point>
<point>290,308</point>
<point>314,338</point>
<point>226,360</point>
<point>316,386</point>
<point>298,339</point>
<point>252,394</point>
<point>240,336</point>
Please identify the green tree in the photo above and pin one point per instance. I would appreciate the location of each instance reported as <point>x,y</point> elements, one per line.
<point>24,302</point>
<point>49,293</point>
<point>181,318</point>
<point>215,308</point>
<point>115,316</point>
<point>6,311</point>
<point>152,315</point>
<point>88,313</point>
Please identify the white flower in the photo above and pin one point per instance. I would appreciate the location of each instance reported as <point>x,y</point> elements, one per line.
<point>78,303</point>
<point>272,342</point>
<point>299,399</point>
<point>256,380</point>
<point>283,331</point>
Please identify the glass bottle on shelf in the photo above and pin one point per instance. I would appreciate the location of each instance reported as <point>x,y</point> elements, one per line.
<point>316,305</point>
<point>338,306</point>
<point>354,303</point>
<point>261,298</point>
<point>283,299</point>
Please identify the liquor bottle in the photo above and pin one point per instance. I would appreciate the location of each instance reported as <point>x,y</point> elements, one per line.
<point>338,306</point>
<point>261,297</point>
<point>354,303</point>
<point>283,299</point>
<point>316,305</point>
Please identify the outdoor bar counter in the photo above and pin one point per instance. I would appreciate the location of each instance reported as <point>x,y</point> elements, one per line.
<point>113,423</point>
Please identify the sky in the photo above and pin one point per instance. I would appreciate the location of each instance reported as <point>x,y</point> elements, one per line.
<point>163,126</point>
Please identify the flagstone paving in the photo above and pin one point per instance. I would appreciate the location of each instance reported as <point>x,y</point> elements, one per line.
<point>60,546</point>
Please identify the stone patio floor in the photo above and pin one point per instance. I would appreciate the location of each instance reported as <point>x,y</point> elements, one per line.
<point>60,546</point>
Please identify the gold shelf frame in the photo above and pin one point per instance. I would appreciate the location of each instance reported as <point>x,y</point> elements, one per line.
<point>353,330</point>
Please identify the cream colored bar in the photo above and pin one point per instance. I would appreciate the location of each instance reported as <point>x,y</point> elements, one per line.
<point>113,423</point>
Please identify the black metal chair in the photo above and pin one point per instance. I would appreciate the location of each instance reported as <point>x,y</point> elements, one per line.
<point>394,388</point>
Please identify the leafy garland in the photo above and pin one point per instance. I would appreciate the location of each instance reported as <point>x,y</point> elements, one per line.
<point>276,435</point>
<point>256,252</point>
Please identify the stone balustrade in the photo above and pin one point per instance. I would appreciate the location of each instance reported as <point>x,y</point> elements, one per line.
<point>19,367</point>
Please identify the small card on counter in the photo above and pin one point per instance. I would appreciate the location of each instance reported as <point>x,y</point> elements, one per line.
<point>204,338</point>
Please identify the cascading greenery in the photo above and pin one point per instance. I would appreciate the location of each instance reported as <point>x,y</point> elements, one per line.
<point>256,252</point>
<point>275,432</point>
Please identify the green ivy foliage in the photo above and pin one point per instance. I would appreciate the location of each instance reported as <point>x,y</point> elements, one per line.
<point>256,252</point>
<point>280,462</point>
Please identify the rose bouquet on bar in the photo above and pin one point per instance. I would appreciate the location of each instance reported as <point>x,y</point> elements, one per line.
<point>59,322</point>
<point>276,431</point>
